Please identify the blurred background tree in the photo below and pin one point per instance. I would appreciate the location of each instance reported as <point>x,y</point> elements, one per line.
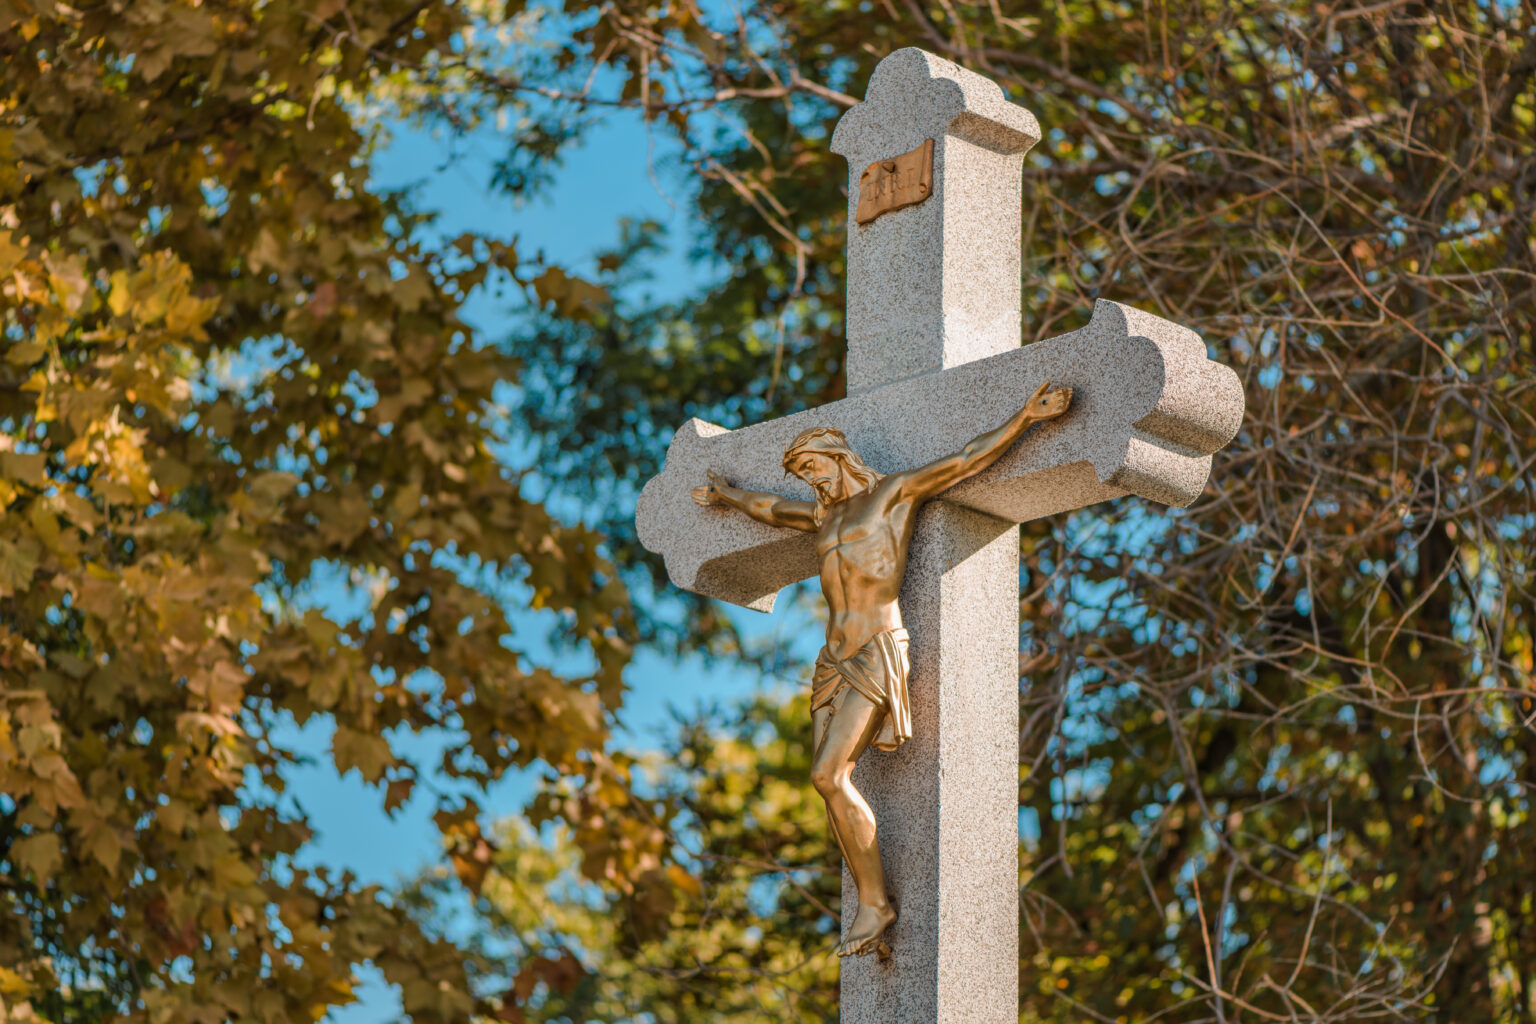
<point>229,374</point>
<point>753,939</point>
<point>1277,749</point>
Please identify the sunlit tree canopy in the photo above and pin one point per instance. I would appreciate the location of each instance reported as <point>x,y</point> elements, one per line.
<point>1277,749</point>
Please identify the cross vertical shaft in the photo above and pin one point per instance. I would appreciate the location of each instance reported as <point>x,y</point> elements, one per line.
<point>932,286</point>
<point>947,801</point>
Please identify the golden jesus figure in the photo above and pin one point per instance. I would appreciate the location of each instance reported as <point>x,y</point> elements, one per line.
<point>863,524</point>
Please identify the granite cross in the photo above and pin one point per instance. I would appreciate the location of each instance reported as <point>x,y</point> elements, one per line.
<point>933,332</point>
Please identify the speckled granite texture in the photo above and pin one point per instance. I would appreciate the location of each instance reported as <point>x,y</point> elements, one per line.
<point>935,287</point>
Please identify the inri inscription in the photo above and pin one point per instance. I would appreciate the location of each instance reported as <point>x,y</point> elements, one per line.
<point>887,185</point>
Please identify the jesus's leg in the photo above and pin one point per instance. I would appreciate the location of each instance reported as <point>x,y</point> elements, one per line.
<point>821,720</point>
<point>848,734</point>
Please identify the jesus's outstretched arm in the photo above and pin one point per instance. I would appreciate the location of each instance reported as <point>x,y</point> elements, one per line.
<point>772,509</point>
<point>924,482</point>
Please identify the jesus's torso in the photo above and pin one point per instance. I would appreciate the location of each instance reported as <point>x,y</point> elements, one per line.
<point>861,549</point>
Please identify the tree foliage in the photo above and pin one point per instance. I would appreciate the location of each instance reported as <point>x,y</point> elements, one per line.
<point>1279,747</point>
<point>229,373</point>
<point>752,938</point>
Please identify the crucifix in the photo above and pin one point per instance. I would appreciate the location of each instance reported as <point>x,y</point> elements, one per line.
<point>950,436</point>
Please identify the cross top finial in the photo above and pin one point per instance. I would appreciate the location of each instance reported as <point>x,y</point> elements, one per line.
<point>915,95</point>
<point>935,154</point>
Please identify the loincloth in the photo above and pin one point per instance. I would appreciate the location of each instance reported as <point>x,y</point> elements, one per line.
<point>878,673</point>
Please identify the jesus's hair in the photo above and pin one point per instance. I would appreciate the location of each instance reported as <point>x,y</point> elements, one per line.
<point>830,441</point>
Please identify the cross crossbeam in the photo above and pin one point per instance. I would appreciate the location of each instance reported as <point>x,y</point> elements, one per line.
<point>1150,409</point>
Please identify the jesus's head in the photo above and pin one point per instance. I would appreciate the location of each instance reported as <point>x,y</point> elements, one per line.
<point>821,457</point>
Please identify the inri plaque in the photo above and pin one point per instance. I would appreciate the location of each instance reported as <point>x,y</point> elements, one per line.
<point>887,185</point>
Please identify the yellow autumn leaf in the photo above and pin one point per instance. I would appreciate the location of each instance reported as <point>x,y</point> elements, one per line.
<point>25,467</point>
<point>104,844</point>
<point>120,297</point>
<point>369,753</point>
<point>13,984</point>
<point>67,277</point>
<point>18,561</point>
<point>11,254</point>
<point>684,880</point>
<point>38,854</point>
<point>25,353</point>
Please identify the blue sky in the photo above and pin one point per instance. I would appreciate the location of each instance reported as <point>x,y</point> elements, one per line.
<point>607,178</point>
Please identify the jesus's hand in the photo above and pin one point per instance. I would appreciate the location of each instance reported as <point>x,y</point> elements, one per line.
<point>1046,404</point>
<point>709,494</point>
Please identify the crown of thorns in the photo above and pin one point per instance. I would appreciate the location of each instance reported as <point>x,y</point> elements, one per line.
<point>825,440</point>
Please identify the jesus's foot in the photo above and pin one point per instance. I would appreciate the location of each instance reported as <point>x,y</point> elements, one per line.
<point>869,927</point>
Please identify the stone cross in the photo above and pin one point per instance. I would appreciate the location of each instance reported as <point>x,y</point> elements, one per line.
<point>933,331</point>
